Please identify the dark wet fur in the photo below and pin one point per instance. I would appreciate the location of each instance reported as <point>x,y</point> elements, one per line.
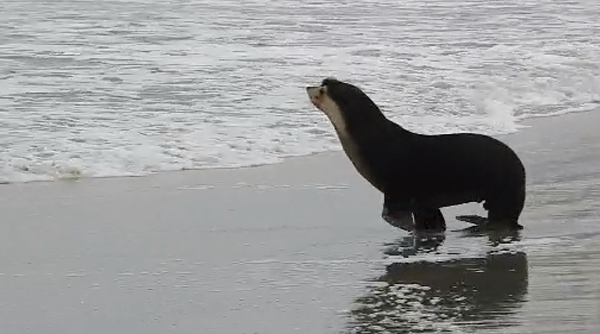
<point>423,173</point>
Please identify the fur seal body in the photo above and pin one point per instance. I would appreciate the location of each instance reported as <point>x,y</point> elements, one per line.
<point>419,174</point>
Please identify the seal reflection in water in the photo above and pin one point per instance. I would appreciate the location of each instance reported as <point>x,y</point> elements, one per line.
<point>419,174</point>
<point>438,295</point>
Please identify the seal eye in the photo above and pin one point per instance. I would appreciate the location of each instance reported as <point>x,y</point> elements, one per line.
<point>321,91</point>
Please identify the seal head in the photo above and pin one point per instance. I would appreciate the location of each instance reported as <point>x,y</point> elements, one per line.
<point>350,111</point>
<point>346,105</point>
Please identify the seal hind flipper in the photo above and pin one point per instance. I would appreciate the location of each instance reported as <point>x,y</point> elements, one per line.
<point>483,222</point>
<point>473,219</point>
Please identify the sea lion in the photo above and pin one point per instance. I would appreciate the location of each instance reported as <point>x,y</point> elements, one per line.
<point>418,174</point>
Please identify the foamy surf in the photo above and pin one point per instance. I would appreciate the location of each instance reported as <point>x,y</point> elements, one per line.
<point>145,92</point>
<point>136,158</point>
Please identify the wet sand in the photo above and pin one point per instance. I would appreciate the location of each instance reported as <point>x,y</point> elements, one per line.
<point>300,248</point>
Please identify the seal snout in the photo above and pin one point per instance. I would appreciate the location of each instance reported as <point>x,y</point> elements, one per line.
<point>314,93</point>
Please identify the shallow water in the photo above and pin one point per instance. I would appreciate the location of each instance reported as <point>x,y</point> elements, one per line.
<point>521,284</point>
<point>301,248</point>
<point>131,87</point>
<point>164,256</point>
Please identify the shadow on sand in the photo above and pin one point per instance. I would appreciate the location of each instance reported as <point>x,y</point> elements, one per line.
<point>423,296</point>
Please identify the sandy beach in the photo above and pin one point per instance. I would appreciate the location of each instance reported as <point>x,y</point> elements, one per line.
<point>299,247</point>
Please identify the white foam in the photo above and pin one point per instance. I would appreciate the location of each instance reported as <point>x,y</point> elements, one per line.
<point>138,96</point>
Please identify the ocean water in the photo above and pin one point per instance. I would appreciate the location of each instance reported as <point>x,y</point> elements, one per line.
<point>115,88</point>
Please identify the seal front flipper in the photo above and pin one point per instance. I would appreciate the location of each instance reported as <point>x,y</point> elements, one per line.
<point>397,215</point>
<point>429,220</point>
<point>399,219</point>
